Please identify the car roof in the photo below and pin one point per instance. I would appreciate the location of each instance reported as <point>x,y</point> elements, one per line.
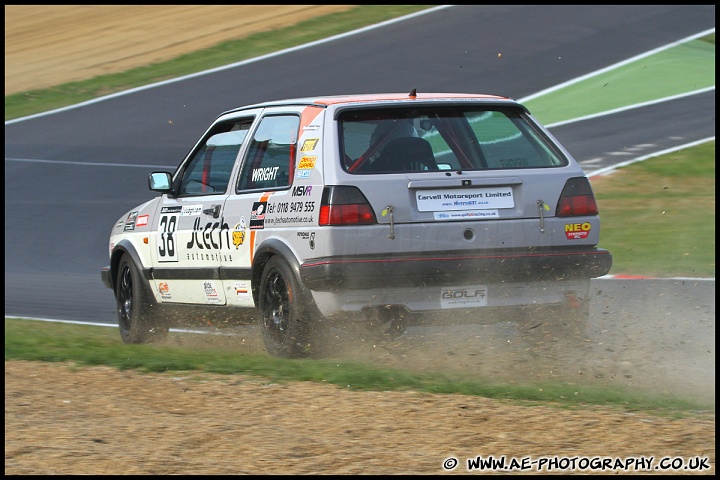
<point>328,100</point>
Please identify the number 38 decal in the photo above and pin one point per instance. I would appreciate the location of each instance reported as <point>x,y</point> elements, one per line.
<point>167,251</point>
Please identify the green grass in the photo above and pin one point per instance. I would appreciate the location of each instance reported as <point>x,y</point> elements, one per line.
<point>36,101</point>
<point>91,345</point>
<point>681,69</point>
<point>658,216</point>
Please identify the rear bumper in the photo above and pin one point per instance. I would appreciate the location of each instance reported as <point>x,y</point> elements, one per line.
<point>454,268</point>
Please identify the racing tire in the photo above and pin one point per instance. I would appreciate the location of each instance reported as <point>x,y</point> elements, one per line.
<point>285,318</point>
<point>139,316</point>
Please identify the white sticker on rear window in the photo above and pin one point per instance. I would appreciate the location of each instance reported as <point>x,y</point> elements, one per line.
<point>464,199</point>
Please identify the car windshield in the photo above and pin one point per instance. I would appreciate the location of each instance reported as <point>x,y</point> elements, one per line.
<point>449,138</point>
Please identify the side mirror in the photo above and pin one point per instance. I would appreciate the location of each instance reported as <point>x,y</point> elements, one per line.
<point>160,182</point>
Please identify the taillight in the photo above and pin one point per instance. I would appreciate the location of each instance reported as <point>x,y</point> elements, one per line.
<point>345,205</point>
<point>577,199</point>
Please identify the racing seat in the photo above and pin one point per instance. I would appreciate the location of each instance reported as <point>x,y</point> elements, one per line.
<point>407,154</point>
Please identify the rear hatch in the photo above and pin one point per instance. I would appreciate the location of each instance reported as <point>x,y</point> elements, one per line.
<point>465,176</point>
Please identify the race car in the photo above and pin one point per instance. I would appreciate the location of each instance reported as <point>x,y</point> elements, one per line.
<point>384,209</point>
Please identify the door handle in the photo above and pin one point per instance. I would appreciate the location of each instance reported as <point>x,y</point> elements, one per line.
<point>214,211</point>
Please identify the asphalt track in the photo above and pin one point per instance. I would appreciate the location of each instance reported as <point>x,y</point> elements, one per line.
<point>69,175</point>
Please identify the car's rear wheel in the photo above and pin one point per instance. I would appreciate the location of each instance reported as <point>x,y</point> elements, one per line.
<point>139,317</point>
<point>285,317</point>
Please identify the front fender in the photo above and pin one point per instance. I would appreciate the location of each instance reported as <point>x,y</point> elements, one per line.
<point>123,247</point>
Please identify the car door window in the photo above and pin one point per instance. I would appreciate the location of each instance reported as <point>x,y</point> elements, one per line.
<point>208,172</point>
<point>271,154</point>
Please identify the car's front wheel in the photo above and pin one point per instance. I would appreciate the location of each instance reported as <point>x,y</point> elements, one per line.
<point>139,317</point>
<point>285,318</point>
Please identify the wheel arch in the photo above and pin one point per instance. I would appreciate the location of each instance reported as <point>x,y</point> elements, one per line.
<point>266,250</point>
<point>123,247</point>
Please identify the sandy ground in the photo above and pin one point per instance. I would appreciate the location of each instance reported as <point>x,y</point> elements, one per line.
<point>49,45</point>
<point>65,420</point>
<point>60,419</point>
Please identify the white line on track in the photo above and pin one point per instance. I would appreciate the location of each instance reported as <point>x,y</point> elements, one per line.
<point>86,164</point>
<point>233,65</point>
<point>612,168</point>
<point>204,332</point>
<point>113,325</point>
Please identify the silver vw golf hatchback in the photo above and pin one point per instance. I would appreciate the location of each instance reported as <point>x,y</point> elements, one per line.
<point>386,209</point>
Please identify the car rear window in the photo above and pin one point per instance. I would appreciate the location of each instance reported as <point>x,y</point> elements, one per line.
<point>387,140</point>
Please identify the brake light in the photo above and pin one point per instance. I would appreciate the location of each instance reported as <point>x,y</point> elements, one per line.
<point>345,205</point>
<point>577,199</point>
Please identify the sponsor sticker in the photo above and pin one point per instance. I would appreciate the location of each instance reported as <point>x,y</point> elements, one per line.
<point>577,231</point>
<point>307,162</point>
<point>468,214</point>
<point>257,216</point>
<point>238,233</point>
<point>309,145</point>
<point>463,297</point>
<point>191,210</point>
<point>173,209</point>
<point>302,191</point>
<point>211,293</point>
<point>142,220</point>
<point>309,236</point>
<point>130,221</point>
<point>242,290</point>
<point>164,290</point>
<point>464,199</point>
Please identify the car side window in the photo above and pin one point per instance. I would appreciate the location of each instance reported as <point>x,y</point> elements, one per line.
<point>270,158</point>
<point>208,171</point>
